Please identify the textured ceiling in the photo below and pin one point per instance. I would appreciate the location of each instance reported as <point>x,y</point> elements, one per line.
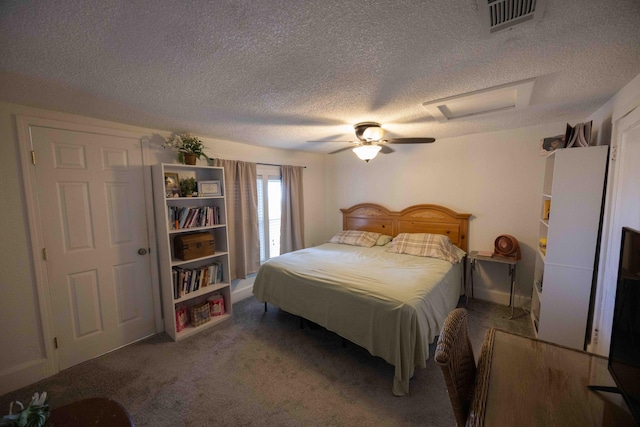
<point>279,73</point>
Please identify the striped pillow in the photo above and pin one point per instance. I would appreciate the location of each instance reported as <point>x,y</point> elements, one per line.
<point>365,239</point>
<point>427,245</point>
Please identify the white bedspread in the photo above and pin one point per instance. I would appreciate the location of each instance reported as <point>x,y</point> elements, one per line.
<point>391,304</point>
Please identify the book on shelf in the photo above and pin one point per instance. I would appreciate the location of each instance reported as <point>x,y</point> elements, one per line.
<point>187,280</point>
<point>190,217</point>
<point>487,254</point>
<point>578,135</point>
<point>546,210</point>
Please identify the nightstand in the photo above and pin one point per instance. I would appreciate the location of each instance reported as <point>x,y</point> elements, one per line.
<point>510,262</point>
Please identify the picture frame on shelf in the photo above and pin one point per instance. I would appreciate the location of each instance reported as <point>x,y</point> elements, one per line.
<point>171,184</point>
<point>552,143</point>
<point>209,188</point>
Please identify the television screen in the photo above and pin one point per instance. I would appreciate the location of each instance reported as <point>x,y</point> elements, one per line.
<point>624,353</point>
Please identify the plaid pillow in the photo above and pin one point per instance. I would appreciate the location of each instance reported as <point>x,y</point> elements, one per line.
<point>427,245</point>
<point>365,239</point>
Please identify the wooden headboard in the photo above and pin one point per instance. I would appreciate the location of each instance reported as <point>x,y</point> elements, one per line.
<point>414,219</point>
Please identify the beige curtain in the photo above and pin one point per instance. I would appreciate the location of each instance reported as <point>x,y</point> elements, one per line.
<point>242,216</point>
<point>292,219</point>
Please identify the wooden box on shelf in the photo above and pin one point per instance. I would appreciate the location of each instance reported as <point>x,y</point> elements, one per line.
<point>194,245</point>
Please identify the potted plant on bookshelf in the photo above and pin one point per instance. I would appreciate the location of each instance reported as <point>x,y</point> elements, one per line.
<point>188,146</point>
<point>188,187</point>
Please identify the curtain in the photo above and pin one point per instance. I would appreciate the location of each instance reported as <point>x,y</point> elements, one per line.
<point>292,214</point>
<point>242,216</point>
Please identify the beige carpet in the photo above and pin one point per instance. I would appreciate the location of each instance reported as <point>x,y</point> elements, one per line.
<point>262,369</point>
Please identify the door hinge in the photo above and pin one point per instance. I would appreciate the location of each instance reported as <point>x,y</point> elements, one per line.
<point>614,152</point>
<point>33,157</point>
<point>55,342</point>
<point>44,254</point>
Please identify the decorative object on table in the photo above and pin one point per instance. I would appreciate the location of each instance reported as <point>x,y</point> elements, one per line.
<point>171,184</point>
<point>34,415</point>
<point>579,135</point>
<point>507,246</point>
<point>187,145</point>
<point>209,188</point>
<point>188,187</point>
<point>550,144</point>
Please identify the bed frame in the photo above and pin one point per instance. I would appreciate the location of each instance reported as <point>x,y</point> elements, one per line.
<point>414,219</point>
<point>432,219</point>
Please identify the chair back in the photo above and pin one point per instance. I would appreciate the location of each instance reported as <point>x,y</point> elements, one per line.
<point>454,354</point>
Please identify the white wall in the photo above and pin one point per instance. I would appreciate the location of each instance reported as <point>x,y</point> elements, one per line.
<point>496,177</point>
<point>23,358</point>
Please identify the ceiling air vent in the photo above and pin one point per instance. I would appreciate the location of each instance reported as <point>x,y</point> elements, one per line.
<point>497,15</point>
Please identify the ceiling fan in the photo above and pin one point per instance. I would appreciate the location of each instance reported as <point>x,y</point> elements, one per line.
<point>371,141</point>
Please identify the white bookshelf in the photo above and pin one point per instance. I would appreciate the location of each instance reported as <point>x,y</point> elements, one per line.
<point>573,184</point>
<point>166,234</point>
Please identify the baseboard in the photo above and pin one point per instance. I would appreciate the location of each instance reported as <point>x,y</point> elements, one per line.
<point>499,297</point>
<point>24,374</point>
<point>240,294</point>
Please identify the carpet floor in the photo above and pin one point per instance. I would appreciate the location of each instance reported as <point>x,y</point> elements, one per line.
<point>261,369</point>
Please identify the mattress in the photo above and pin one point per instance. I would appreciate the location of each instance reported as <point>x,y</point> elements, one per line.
<point>391,304</point>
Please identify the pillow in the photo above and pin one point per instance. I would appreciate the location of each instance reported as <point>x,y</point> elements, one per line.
<point>427,245</point>
<point>383,240</point>
<point>365,239</point>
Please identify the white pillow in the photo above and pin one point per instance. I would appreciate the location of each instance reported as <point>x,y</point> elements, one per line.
<point>427,245</point>
<point>365,239</point>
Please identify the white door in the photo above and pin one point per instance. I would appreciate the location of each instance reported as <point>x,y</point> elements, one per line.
<point>92,210</point>
<point>625,212</point>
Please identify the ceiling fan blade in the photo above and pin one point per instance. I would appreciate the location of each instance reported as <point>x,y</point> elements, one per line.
<point>410,140</point>
<point>385,149</point>
<point>331,140</point>
<point>342,149</point>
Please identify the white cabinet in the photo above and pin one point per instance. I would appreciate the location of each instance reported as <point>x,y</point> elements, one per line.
<point>569,221</point>
<point>191,283</point>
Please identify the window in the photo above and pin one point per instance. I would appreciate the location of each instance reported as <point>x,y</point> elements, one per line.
<point>269,199</point>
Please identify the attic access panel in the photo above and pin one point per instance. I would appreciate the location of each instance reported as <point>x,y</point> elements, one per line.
<point>499,98</point>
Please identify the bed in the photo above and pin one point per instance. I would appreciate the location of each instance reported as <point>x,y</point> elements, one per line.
<point>392,304</point>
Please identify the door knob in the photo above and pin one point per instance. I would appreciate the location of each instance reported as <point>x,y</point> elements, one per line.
<point>142,251</point>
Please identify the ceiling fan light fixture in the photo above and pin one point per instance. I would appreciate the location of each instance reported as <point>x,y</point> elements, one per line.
<point>367,152</point>
<point>373,133</point>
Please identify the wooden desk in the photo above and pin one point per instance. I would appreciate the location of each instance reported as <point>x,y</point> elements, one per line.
<point>523,381</point>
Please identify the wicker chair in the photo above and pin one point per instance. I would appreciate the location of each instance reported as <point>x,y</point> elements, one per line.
<point>454,354</point>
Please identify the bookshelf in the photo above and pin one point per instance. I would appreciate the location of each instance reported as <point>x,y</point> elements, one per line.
<point>571,203</point>
<point>192,282</point>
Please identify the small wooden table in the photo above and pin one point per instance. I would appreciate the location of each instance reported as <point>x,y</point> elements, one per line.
<point>510,262</point>
<point>95,412</point>
<point>528,382</point>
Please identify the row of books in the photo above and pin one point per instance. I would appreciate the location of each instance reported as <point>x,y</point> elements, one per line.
<point>579,135</point>
<point>189,217</point>
<point>187,280</point>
